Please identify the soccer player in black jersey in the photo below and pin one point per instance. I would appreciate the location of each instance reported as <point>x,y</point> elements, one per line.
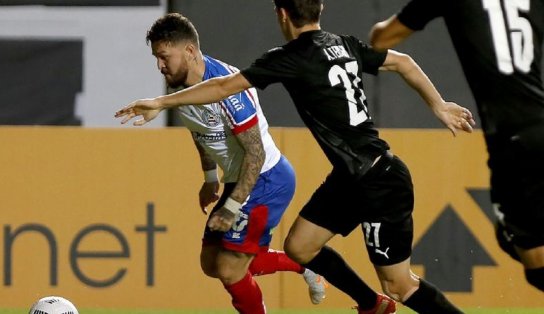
<point>499,44</point>
<point>368,185</point>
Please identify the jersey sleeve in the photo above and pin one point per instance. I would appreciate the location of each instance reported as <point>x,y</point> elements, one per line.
<point>271,67</point>
<point>371,59</point>
<point>241,110</point>
<point>417,13</point>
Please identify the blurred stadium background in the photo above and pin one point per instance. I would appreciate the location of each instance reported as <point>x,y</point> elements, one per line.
<point>108,217</point>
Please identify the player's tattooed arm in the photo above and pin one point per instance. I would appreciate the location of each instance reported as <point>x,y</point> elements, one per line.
<point>254,158</point>
<point>251,141</point>
<point>207,162</point>
<point>209,191</point>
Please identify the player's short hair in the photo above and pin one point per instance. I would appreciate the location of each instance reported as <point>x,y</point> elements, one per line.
<point>172,28</point>
<point>301,12</point>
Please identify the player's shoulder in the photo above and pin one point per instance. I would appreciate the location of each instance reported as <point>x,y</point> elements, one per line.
<point>350,39</point>
<point>216,67</point>
<point>276,52</point>
<point>273,55</point>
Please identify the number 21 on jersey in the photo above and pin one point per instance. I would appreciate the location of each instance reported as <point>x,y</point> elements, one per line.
<point>337,75</point>
<point>509,29</point>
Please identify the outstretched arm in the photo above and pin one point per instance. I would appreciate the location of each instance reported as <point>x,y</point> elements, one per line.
<point>453,116</point>
<point>389,33</point>
<point>206,92</point>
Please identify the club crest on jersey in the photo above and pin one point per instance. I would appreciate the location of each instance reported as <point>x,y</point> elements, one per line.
<point>336,52</point>
<point>211,118</point>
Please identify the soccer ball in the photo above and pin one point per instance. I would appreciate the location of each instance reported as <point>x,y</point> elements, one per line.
<point>53,305</point>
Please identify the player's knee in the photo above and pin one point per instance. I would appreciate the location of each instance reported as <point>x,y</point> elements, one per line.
<point>231,275</point>
<point>292,252</point>
<point>297,252</point>
<point>208,268</point>
<point>290,248</point>
<point>535,277</point>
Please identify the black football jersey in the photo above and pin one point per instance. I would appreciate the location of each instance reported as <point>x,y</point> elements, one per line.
<point>323,74</point>
<point>499,44</point>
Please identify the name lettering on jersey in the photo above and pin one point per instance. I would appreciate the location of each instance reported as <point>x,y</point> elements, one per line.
<point>235,102</point>
<point>336,52</point>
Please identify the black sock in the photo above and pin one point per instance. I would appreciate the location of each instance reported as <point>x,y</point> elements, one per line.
<point>535,277</point>
<point>329,264</point>
<point>429,300</point>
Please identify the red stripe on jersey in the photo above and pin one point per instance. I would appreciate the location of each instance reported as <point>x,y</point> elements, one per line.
<point>241,128</point>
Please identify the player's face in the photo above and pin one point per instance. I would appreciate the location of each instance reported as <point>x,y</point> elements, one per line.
<point>172,61</point>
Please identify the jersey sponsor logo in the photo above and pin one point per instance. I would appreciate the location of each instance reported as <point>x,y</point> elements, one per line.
<point>216,136</point>
<point>235,103</point>
<point>336,52</point>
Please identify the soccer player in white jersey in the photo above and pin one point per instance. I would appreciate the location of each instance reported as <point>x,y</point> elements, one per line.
<point>258,181</point>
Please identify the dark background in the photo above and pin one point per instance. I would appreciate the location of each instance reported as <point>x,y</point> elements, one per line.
<point>40,81</point>
<point>237,32</point>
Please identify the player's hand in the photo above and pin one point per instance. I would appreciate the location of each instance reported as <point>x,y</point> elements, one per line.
<point>147,109</point>
<point>455,117</point>
<point>222,220</point>
<point>208,194</point>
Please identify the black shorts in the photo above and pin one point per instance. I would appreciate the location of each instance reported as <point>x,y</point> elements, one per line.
<point>381,202</point>
<point>517,188</point>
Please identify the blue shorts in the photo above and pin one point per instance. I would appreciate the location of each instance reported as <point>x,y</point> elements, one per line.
<point>260,214</point>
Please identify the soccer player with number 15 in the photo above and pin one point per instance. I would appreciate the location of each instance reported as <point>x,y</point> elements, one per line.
<point>499,44</point>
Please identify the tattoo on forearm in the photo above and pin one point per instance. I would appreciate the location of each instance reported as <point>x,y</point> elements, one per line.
<point>206,160</point>
<point>253,162</point>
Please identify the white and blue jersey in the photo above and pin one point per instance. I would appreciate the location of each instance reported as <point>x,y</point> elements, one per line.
<point>214,125</point>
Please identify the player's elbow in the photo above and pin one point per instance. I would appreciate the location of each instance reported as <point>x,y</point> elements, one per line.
<point>399,62</point>
<point>406,64</point>
<point>378,38</point>
<point>389,33</point>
